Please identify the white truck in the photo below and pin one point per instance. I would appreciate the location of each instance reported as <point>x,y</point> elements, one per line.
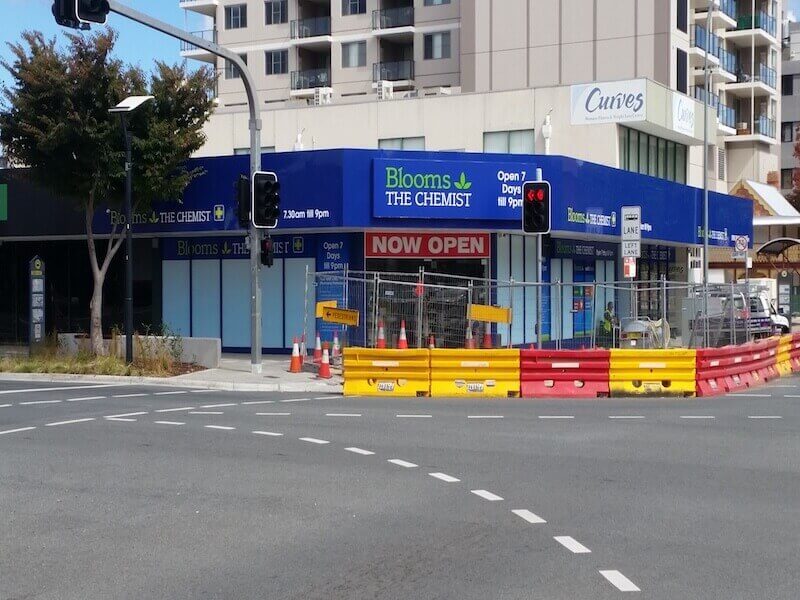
<point>763,293</point>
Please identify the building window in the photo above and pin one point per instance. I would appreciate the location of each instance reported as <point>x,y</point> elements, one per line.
<point>436,2</point>
<point>683,16</point>
<point>787,131</point>
<point>236,16</point>
<point>787,85</point>
<point>786,179</point>
<point>647,154</point>
<point>277,62</point>
<point>681,78</point>
<point>354,54</point>
<point>275,12</point>
<point>231,72</point>
<point>437,45</point>
<point>409,143</point>
<point>354,7</point>
<point>509,142</point>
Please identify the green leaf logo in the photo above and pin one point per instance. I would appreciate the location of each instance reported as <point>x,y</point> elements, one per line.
<point>462,183</point>
<point>153,217</point>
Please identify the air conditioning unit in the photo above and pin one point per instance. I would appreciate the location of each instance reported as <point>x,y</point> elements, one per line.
<point>438,91</point>
<point>323,95</point>
<point>385,90</point>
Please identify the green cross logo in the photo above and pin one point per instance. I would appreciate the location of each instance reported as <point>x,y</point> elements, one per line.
<point>3,202</point>
<point>219,212</point>
<point>297,245</point>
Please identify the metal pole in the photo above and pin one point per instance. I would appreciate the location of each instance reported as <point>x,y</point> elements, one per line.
<point>511,321</point>
<point>128,242</point>
<point>539,267</point>
<point>420,288</point>
<point>733,316</point>
<point>255,152</point>
<point>664,311</point>
<point>469,306</point>
<point>377,284</point>
<point>705,143</point>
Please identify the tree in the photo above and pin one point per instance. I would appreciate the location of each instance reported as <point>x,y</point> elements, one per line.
<point>55,120</point>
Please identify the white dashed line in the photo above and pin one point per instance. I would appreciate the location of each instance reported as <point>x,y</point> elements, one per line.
<point>626,417</point>
<point>133,414</point>
<point>751,395</point>
<point>16,430</point>
<point>70,422</point>
<point>58,389</point>
<point>413,416</point>
<point>325,397</point>
<point>484,416</point>
<point>223,427</point>
<point>258,402</point>
<point>764,417</point>
<point>5,405</point>
<point>528,516</point>
<point>698,417</point>
<point>342,415</point>
<point>273,414</point>
<point>487,495</point>
<point>360,451</point>
<point>171,393</point>
<point>556,416</point>
<point>218,405</point>
<point>402,463</point>
<point>202,391</point>
<point>122,419</point>
<point>169,423</point>
<point>40,402</point>
<point>206,412</point>
<point>790,396</point>
<point>297,400</point>
<point>166,410</point>
<point>86,398</point>
<point>269,433</point>
<point>572,544</point>
<point>445,477</point>
<point>314,440</point>
<point>128,395</point>
<point>619,581</point>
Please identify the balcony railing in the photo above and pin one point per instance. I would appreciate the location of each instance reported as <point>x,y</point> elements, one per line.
<point>306,28</point>
<point>728,61</point>
<point>701,94</point>
<point>765,75</point>
<point>393,17</point>
<point>727,6</point>
<point>209,35</point>
<point>760,20</point>
<point>765,126</point>
<point>704,40</point>
<point>727,115</point>
<point>311,78</point>
<point>400,70</point>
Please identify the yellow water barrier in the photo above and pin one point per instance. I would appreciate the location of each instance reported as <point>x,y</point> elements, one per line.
<point>487,373</point>
<point>372,372</point>
<point>783,359</point>
<point>652,372</point>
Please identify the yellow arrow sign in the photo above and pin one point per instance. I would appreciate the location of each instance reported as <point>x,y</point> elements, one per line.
<point>324,304</point>
<point>342,316</point>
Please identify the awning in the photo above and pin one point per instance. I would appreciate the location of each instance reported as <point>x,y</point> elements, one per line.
<point>778,246</point>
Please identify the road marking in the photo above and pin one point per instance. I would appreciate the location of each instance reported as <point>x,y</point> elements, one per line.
<point>269,433</point>
<point>170,393</point>
<point>572,544</point>
<point>342,415</point>
<point>86,398</point>
<point>203,391</point>
<point>169,423</point>
<point>484,416</point>
<point>40,402</point>
<point>698,417</point>
<point>206,412</point>
<point>325,397</point>
<point>16,430</point>
<point>60,389</point>
<point>623,417</point>
<point>314,440</point>
<point>258,402</point>
<point>223,427</point>
<point>273,414</point>
<point>413,416</point>
<point>445,477</point>
<point>218,405</point>
<point>619,581</point>
<point>128,395</point>
<point>164,410</point>
<point>556,416</point>
<point>4,405</point>
<point>487,495</point>
<point>123,419</point>
<point>402,463</point>
<point>751,395</point>
<point>297,400</point>
<point>790,396</point>
<point>764,417</point>
<point>528,516</point>
<point>134,414</point>
<point>785,387</point>
<point>70,422</point>
<point>360,451</point>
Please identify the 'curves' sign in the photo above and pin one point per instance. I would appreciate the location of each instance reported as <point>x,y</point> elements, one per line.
<point>609,102</point>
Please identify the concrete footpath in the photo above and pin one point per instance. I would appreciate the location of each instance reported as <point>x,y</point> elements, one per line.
<point>232,375</point>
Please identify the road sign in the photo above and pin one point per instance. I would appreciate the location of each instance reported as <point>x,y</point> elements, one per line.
<point>629,267</point>
<point>489,314</point>
<point>37,323</point>
<point>322,305</point>
<point>343,316</point>
<point>740,249</point>
<point>631,231</point>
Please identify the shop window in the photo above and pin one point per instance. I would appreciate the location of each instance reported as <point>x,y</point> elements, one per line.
<point>509,142</point>
<point>680,163</point>
<point>651,155</point>
<point>409,143</point>
<point>633,150</point>
<point>623,148</point>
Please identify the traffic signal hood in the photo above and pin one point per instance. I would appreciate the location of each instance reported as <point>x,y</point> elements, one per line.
<point>536,207</point>
<point>243,201</point>
<point>266,200</point>
<point>79,14</point>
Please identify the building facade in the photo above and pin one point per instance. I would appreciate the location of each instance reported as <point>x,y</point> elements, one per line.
<point>790,106</point>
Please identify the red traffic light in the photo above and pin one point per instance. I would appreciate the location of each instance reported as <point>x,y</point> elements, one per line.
<point>535,195</point>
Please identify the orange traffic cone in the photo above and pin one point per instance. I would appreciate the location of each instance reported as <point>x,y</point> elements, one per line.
<point>381,336</point>
<point>487,339</point>
<point>337,349</point>
<point>296,365</point>
<point>402,343</point>
<point>431,342</point>
<point>317,349</point>
<point>470,343</point>
<point>325,365</point>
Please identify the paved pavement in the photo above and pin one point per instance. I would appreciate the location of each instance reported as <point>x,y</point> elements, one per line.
<point>144,492</point>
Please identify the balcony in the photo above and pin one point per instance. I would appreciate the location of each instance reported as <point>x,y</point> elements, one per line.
<point>764,83</point>
<point>305,82</point>
<point>765,126</point>
<point>204,7</point>
<point>315,31</point>
<point>763,130</point>
<point>191,51</point>
<point>759,29</point>
<point>401,72</point>
<point>394,22</point>
<point>725,114</point>
<point>723,13</point>
<point>704,44</point>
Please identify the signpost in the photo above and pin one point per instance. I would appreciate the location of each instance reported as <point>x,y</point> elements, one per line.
<point>632,231</point>
<point>36,321</point>
<point>740,249</point>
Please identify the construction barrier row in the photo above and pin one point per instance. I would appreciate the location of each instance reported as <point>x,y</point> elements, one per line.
<point>568,373</point>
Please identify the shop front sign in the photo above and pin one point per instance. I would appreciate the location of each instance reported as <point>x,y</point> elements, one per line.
<point>609,102</point>
<point>426,245</point>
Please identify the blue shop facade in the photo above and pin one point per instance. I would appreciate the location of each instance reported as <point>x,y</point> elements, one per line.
<point>393,211</point>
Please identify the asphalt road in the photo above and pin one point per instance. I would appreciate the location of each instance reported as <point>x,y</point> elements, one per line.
<point>143,492</point>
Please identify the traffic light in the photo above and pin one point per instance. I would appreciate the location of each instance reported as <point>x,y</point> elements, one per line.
<point>266,199</point>
<point>243,201</point>
<point>536,207</point>
<point>79,14</point>
<point>267,252</point>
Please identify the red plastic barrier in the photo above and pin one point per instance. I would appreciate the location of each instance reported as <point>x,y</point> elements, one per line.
<point>564,373</point>
<point>736,368</point>
<point>794,353</point>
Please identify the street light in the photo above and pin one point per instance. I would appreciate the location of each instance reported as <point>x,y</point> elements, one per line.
<point>123,109</point>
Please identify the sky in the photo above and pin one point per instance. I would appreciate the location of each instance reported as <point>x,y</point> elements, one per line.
<point>137,44</point>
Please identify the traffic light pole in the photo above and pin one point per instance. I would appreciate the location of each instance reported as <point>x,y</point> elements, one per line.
<point>255,152</point>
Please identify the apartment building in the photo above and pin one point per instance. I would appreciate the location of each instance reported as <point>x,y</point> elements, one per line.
<point>790,109</point>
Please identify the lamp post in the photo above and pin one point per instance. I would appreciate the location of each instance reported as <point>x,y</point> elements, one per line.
<point>547,134</point>
<point>123,109</point>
